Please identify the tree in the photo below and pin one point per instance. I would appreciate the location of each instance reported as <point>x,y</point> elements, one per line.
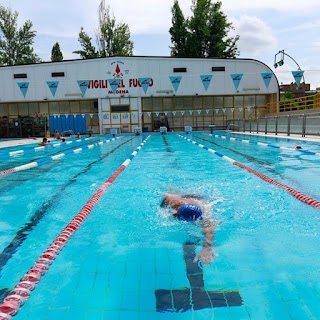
<point>206,32</point>
<point>112,37</point>
<point>88,50</point>
<point>15,44</point>
<point>56,54</point>
<point>178,32</point>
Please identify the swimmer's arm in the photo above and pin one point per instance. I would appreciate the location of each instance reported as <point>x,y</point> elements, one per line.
<point>206,254</point>
<point>208,232</point>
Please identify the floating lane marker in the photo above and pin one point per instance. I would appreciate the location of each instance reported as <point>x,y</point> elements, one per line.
<point>55,157</point>
<point>22,291</point>
<point>299,195</point>
<point>264,144</point>
<point>55,145</point>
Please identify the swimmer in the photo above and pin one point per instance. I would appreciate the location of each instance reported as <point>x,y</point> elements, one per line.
<point>44,142</point>
<point>190,208</point>
<point>297,147</point>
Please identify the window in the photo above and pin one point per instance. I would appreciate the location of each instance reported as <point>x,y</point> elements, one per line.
<point>122,108</point>
<point>20,76</point>
<point>179,69</point>
<point>218,68</point>
<point>57,74</point>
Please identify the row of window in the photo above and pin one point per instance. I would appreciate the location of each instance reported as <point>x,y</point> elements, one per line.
<point>208,102</point>
<point>212,69</point>
<point>46,108</point>
<point>24,75</point>
<point>61,74</point>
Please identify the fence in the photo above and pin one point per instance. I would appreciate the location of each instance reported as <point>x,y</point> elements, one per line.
<point>302,124</point>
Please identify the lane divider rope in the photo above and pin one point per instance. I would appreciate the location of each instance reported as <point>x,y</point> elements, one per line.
<point>22,291</point>
<point>299,195</point>
<point>264,144</point>
<point>45,160</point>
<point>38,148</point>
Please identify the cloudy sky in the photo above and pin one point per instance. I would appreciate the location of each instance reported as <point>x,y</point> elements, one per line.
<point>265,27</point>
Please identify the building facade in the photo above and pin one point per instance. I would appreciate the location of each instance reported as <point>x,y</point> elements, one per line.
<point>128,92</point>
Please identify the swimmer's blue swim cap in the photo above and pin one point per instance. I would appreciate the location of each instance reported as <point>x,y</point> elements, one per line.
<point>189,212</point>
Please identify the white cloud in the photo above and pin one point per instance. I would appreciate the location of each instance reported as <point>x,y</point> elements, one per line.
<point>255,35</point>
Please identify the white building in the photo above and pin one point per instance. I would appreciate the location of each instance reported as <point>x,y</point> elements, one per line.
<point>130,92</point>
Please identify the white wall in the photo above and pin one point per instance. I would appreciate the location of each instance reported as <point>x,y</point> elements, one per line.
<point>131,69</point>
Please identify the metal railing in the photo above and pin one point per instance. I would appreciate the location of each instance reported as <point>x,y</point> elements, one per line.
<point>300,124</point>
<point>306,103</point>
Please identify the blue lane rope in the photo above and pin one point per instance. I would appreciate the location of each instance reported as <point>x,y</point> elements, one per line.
<point>39,148</point>
<point>264,144</point>
<point>42,161</point>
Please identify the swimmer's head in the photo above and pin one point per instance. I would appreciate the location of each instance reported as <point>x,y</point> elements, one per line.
<point>189,212</point>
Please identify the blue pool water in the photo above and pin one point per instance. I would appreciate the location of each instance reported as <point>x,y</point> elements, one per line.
<point>131,260</point>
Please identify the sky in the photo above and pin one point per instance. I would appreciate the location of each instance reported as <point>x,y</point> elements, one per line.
<point>265,27</point>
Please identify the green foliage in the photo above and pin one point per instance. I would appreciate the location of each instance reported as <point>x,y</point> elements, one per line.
<point>288,95</point>
<point>56,54</point>
<point>178,32</point>
<point>15,44</point>
<point>88,50</point>
<point>112,37</point>
<point>204,34</point>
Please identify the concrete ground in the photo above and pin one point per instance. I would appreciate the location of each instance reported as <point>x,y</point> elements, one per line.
<point>18,142</point>
<point>284,136</point>
<point>26,141</point>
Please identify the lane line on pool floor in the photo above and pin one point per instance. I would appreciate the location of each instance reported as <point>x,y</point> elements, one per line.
<point>58,156</point>
<point>263,144</point>
<point>23,289</point>
<point>299,195</point>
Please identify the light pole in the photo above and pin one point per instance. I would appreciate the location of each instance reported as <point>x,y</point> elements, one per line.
<point>103,46</point>
<point>280,62</point>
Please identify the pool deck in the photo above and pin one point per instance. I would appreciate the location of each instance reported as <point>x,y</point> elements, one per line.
<point>26,141</point>
<point>19,142</point>
<point>283,136</point>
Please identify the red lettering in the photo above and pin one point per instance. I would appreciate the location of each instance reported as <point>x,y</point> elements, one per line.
<point>121,84</point>
<point>96,84</point>
<point>151,82</point>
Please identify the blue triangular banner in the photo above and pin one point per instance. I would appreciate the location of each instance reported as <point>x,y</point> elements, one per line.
<point>23,87</point>
<point>175,81</point>
<point>114,83</point>
<point>206,79</point>
<point>53,86</point>
<point>83,85</point>
<point>236,78</point>
<point>297,76</point>
<point>145,83</point>
<point>266,76</point>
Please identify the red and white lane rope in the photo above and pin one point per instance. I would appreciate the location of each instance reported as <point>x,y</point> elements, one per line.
<point>22,291</point>
<point>299,195</point>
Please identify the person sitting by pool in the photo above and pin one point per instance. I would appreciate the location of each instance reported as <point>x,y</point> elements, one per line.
<point>56,134</point>
<point>44,142</point>
<point>190,208</point>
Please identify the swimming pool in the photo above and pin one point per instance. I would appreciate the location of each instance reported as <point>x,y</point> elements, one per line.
<point>130,260</point>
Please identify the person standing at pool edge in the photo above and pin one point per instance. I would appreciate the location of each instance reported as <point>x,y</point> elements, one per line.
<point>188,208</point>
